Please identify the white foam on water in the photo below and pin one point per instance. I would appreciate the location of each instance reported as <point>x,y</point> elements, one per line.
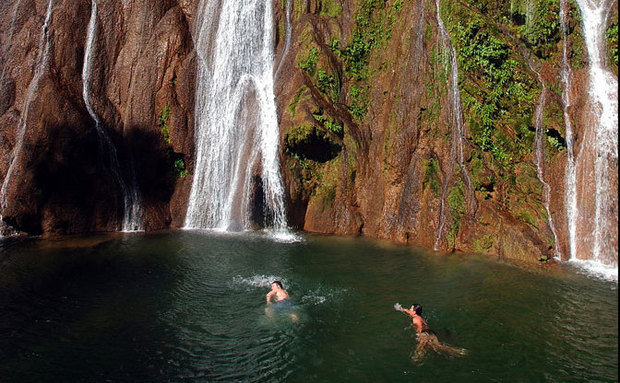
<point>322,295</point>
<point>596,269</point>
<point>284,236</point>
<point>257,281</point>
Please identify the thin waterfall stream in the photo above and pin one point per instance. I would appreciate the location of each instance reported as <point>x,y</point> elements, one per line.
<point>132,220</point>
<point>540,164</point>
<point>4,228</point>
<point>288,36</point>
<point>456,149</point>
<point>237,133</point>
<point>42,63</point>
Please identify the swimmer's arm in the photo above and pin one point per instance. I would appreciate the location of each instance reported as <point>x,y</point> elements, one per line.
<point>407,311</point>
<point>269,295</point>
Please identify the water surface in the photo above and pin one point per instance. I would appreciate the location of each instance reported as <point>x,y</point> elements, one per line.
<point>190,307</point>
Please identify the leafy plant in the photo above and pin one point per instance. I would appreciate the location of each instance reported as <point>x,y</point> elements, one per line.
<point>612,41</point>
<point>328,85</point>
<point>162,122</point>
<point>398,6</point>
<point>179,168</point>
<point>308,64</point>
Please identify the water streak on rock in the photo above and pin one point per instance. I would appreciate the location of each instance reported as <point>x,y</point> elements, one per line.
<point>132,220</point>
<point>456,151</point>
<point>570,184</point>
<point>540,165</point>
<point>42,64</point>
<point>287,39</point>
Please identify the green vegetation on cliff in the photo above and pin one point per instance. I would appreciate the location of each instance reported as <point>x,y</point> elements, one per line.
<point>497,90</point>
<point>373,27</point>
<point>163,123</point>
<point>612,42</point>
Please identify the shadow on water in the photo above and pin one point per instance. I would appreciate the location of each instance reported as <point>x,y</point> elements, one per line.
<point>91,306</point>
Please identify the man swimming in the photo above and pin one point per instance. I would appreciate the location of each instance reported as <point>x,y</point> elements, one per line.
<point>282,303</point>
<point>427,339</point>
<point>277,292</point>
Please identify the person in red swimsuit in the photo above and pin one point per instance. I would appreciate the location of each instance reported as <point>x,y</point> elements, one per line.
<point>427,339</point>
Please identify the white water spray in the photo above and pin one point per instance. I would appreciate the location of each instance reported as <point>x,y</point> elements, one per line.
<point>593,211</point>
<point>42,64</point>
<point>131,202</point>
<point>236,121</point>
<point>457,135</point>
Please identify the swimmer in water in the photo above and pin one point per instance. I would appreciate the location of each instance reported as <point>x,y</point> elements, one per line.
<point>427,339</point>
<point>277,292</point>
<point>282,302</point>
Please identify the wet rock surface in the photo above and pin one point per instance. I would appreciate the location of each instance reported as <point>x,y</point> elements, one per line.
<point>364,108</point>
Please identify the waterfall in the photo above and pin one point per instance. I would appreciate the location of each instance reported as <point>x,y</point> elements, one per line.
<point>131,201</point>
<point>42,63</point>
<point>287,38</point>
<point>593,212</point>
<point>236,127</point>
<point>540,163</point>
<point>457,133</point>
<point>570,184</point>
<point>4,229</point>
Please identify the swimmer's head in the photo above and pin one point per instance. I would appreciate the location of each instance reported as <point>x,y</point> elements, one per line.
<point>278,283</point>
<point>417,308</point>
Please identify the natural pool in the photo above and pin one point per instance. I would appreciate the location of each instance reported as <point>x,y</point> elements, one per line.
<point>190,307</point>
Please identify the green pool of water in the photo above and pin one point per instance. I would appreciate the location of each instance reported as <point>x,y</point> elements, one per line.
<point>190,307</point>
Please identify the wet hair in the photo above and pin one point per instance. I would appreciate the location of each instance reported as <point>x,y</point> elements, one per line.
<point>278,283</point>
<point>417,308</point>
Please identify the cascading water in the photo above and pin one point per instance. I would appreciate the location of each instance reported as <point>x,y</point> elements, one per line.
<point>42,63</point>
<point>131,201</point>
<point>457,133</point>
<point>596,163</point>
<point>570,185</point>
<point>540,163</point>
<point>288,37</point>
<point>236,122</point>
<point>4,230</point>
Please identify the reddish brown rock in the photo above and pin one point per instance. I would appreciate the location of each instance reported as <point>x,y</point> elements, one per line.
<point>393,174</point>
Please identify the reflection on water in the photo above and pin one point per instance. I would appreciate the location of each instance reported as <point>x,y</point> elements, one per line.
<point>190,307</point>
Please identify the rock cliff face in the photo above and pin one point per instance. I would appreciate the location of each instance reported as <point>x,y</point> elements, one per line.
<point>369,139</point>
<point>142,82</point>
